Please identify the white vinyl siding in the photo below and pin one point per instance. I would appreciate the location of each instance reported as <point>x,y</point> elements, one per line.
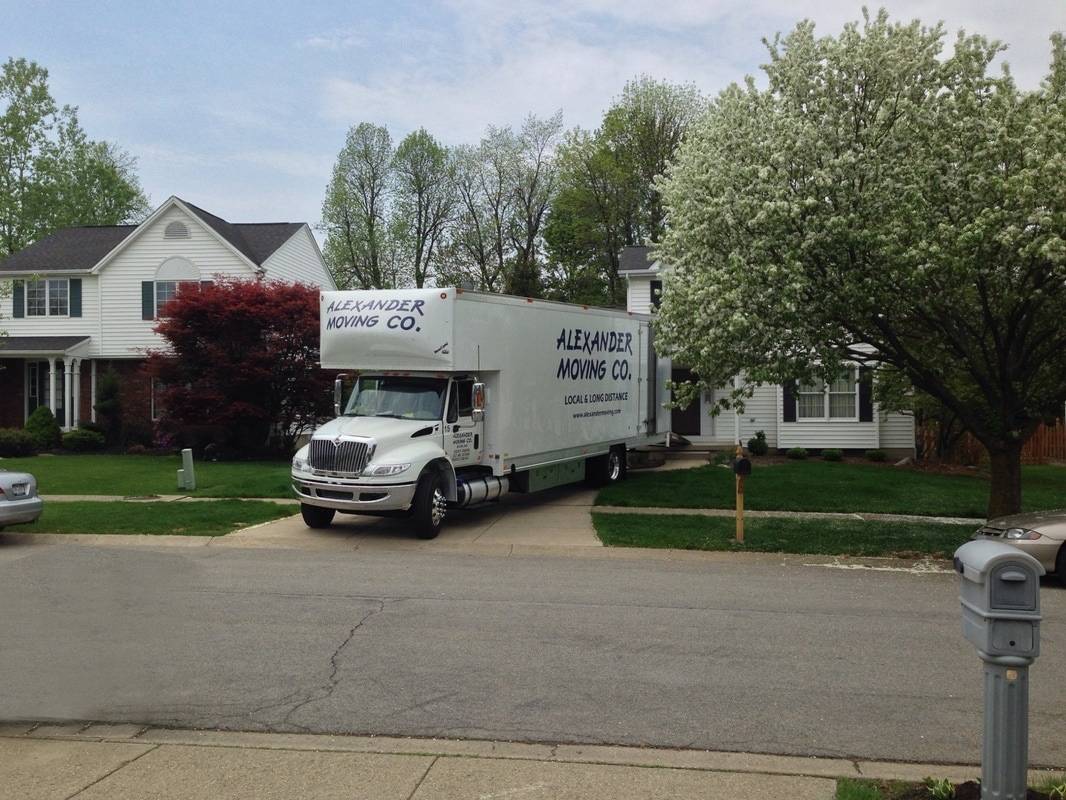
<point>85,325</point>
<point>638,295</point>
<point>298,261</point>
<point>122,332</point>
<point>760,414</point>
<point>897,431</point>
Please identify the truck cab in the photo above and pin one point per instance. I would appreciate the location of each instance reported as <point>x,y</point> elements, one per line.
<point>394,432</point>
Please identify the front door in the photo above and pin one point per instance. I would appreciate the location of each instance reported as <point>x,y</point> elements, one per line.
<point>463,438</point>
<point>685,421</point>
<point>37,386</point>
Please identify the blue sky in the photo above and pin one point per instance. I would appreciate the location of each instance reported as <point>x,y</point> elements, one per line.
<point>240,107</point>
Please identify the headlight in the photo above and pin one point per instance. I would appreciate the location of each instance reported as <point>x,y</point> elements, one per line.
<point>385,470</point>
<point>300,464</point>
<point>1021,533</point>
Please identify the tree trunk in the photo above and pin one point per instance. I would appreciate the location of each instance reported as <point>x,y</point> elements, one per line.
<point>1005,496</point>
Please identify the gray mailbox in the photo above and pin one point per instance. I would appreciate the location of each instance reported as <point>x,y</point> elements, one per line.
<point>1000,597</point>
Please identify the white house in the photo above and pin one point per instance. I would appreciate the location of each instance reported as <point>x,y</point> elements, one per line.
<point>841,415</point>
<point>83,300</point>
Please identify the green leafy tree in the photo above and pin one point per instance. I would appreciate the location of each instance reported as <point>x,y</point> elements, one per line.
<point>424,201</point>
<point>51,174</point>
<point>359,240</point>
<point>880,192</point>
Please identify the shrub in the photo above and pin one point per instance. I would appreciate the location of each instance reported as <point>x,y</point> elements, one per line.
<point>722,457</point>
<point>757,445</point>
<point>109,406</point>
<point>15,442</point>
<point>93,426</point>
<point>832,455</point>
<point>83,441</point>
<point>136,450</point>
<point>876,455</point>
<point>44,429</point>
<point>797,453</point>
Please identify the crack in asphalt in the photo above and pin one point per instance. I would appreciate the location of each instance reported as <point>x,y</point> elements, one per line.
<point>321,692</point>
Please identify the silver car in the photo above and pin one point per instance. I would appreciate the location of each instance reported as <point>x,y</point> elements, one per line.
<point>19,501</point>
<point>1040,534</point>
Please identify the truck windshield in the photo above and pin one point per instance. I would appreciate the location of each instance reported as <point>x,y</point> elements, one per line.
<point>402,397</point>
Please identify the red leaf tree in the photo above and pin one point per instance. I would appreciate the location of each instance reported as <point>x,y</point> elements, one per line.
<point>242,365</point>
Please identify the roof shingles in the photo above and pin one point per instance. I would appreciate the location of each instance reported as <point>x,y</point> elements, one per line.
<point>83,248</point>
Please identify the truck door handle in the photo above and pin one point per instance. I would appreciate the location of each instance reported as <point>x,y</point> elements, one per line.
<point>476,438</point>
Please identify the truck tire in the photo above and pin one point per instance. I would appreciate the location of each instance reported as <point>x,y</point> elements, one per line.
<point>606,469</point>
<point>316,516</point>
<point>430,506</point>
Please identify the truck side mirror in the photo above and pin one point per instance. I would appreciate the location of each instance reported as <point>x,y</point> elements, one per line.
<point>478,412</point>
<point>338,393</point>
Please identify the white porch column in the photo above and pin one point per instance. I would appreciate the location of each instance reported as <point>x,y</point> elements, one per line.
<point>75,394</point>
<point>66,393</point>
<point>52,405</point>
<point>92,390</point>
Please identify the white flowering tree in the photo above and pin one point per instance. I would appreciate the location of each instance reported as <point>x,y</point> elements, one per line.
<point>879,191</point>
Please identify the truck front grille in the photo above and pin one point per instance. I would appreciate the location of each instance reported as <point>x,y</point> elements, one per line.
<point>344,456</point>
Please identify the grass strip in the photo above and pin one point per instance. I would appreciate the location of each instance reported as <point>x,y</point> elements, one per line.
<point>812,536</point>
<point>208,518</point>
<point>125,476</point>
<point>828,486</point>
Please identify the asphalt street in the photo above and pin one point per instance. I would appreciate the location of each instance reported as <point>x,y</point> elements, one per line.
<point>762,656</point>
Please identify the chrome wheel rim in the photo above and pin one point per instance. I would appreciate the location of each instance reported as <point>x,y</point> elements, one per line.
<point>614,467</point>
<point>440,507</point>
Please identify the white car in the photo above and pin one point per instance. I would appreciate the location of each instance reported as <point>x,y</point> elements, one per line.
<point>19,501</point>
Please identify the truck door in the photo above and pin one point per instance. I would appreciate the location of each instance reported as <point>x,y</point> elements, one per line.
<point>464,439</point>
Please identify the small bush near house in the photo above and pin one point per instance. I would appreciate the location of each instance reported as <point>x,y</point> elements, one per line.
<point>757,445</point>
<point>109,407</point>
<point>15,442</point>
<point>797,453</point>
<point>876,455</point>
<point>722,457</point>
<point>83,441</point>
<point>832,455</point>
<point>44,429</point>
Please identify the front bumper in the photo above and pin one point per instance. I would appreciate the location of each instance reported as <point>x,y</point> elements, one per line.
<point>16,512</point>
<point>353,497</point>
<point>1045,549</point>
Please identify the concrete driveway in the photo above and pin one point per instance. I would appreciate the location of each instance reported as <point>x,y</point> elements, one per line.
<point>558,517</point>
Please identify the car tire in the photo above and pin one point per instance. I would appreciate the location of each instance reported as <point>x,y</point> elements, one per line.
<point>430,506</point>
<point>317,517</point>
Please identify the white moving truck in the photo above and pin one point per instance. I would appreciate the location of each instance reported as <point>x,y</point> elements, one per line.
<point>460,397</point>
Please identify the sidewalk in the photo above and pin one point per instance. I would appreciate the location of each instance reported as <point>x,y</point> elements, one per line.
<point>120,762</point>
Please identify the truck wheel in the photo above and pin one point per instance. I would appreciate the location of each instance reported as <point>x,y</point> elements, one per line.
<point>605,469</point>
<point>430,506</point>
<point>316,516</point>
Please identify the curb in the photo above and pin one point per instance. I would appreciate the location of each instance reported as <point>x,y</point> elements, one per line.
<point>857,516</point>
<point>614,755</point>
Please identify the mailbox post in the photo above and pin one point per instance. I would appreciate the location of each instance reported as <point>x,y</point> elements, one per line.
<point>741,468</point>
<point>1000,596</point>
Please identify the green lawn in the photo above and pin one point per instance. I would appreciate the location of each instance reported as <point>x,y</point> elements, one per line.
<point>214,518</point>
<point>814,536</point>
<point>828,486</point>
<point>147,475</point>
<point>865,789</point>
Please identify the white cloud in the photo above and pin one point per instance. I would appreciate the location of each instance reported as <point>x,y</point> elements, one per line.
<point>334,40</point>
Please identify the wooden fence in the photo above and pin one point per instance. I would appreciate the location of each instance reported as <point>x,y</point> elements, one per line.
<point>1048,443</point>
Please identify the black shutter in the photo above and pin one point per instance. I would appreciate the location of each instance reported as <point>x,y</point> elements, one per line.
<point>866,398</point>
<point>18,296</point>
<point>656,293</point>
<point>788,401</point>
<point>75,297</point>
<point>147,299</point>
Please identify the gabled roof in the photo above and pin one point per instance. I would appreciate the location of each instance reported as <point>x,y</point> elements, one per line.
<point>255,240</point>
<point>72,249</point>
<point>68,249</point>
<point>635,259</point>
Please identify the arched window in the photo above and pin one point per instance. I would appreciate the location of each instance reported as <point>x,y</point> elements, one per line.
<point>171,274</point>
<point>176,230</point>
